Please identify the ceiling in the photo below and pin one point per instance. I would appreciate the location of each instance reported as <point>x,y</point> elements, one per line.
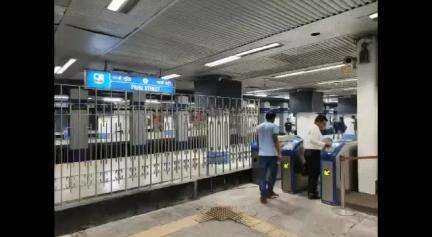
<point>180,36</point>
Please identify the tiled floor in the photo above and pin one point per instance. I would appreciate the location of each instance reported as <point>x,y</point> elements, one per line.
<point>292,213</point>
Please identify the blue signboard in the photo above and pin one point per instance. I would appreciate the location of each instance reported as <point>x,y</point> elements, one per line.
<point>103,80</point>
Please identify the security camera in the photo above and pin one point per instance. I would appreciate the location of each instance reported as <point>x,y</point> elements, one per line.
<point>350,60</point>
<point>347,60</point>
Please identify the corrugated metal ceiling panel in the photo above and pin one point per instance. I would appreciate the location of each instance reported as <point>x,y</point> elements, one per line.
<point>214,26</point>
<point>315,77</point>
<point>325,52</point>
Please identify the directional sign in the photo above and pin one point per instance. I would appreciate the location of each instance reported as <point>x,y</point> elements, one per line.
<point>104,80</point>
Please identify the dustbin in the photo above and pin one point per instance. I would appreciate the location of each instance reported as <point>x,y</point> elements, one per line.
<point>293,180</point>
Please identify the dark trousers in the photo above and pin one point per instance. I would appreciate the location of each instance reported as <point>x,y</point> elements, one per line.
<point>313,166</point>
<point>267,174</point>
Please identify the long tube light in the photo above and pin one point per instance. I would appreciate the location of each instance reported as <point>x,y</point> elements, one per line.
<point>374,15</point>
<point>308,71</point>
<point>290,74</point>
<point>115,5</point>
<point>265,47</point>
<point>261,95</point>
<point>332,82</point>
<point>61,97</point>
<point>170,76</point>
<point>66,66</point>
<point>282,97</point>
<point>56,69</point>
<point>222,61</point>
<point>276,89</point>
<point>338,89</point>
<point>113,99</point>
<point>239,55</point>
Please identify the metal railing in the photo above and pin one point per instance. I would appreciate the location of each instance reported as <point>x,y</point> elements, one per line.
<point>114,141</point>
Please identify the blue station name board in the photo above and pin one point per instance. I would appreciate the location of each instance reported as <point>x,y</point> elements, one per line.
<point>103,80</point>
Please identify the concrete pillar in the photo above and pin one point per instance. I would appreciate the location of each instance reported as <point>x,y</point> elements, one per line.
<point>218,85</point>
<point>283,116</point>
<point>306,100</point>
<point>347,105</point>
<point>367,113</point>
<point>264,108</point>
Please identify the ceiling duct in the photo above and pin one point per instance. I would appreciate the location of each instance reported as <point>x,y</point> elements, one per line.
<point>213,77</point>
<point>218,85</point>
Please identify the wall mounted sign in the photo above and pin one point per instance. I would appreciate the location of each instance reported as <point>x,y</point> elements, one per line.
<point>103,80</point>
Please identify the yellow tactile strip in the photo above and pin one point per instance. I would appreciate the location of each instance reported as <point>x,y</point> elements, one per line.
<point>164,230</point>
<point>219,213</point>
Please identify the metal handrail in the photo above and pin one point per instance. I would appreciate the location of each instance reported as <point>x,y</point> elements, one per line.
<point>344,158</point>
<point>342,170</point>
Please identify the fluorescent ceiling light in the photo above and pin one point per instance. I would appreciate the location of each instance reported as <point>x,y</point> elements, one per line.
<point>373,16</point>
<point>61,97</point>
<point>261,95</point>
<point>115,5</point>
<point>331,82</point>
<point>349,88</point>
<point>290,74</point>
<point>66,66</point>
<point>269,46</point>
<point>331,100</point>
<point>222,61</point>
<point>282,97</point>
<point>239,55</point>
<point>170,76</point>
<point>112,99</point>
<point>56,69</point>
<point>313,70</point>
<point>152,101</point>
<point>276,89</point>
<point>326,68</point>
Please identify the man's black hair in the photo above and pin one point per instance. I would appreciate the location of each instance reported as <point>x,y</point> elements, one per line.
<point>270,115</point>
<point>320,118</point>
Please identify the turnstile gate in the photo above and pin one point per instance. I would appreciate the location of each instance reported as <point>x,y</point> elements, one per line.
<point>330,171</point>
<point>293,179</point>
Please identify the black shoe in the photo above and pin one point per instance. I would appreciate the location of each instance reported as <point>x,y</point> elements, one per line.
<point>313,196</point>
<point>263,200</point>
<point>273,195</point>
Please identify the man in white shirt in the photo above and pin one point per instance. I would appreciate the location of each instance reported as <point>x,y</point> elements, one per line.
<point>268,153</point>
<point>313,145</point>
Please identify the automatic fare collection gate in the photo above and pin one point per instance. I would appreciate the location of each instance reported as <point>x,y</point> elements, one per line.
<point>114,141</point>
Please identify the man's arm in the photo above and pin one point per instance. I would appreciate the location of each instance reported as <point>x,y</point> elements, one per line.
<point>276,140</point>
<point>315,139</point>
<point>276,143</point>
<point>257,141</point>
